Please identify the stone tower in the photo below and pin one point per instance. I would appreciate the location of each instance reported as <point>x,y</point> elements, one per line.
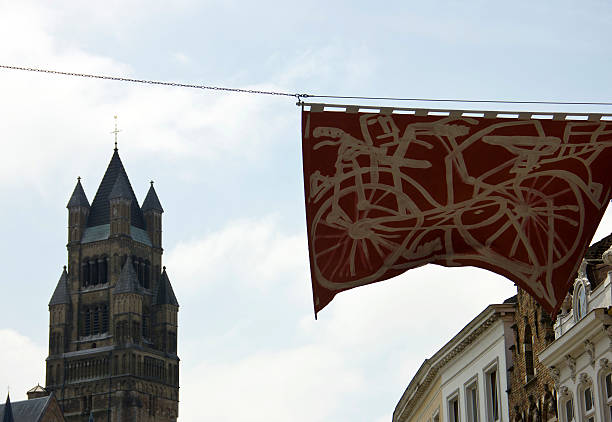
<point>113,315</point>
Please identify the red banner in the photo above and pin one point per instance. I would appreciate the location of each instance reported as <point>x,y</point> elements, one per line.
<point>389,192</point>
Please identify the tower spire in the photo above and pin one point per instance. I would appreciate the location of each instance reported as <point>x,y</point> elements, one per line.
<point>116,131</point>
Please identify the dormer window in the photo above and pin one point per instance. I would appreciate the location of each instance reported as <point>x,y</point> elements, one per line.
<point>580,303</point>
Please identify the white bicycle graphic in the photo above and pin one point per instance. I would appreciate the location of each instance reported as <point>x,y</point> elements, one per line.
<point>401,199</point>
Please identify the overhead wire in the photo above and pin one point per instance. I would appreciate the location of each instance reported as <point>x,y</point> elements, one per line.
<point>299,96</point>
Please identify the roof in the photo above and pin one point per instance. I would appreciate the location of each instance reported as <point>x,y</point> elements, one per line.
<point>121,188</point>
<point>37,389</point>
<point>151,201</point>
<point>128,279</point>
<point>97,233</point>
<point>60,295</point>
<point>78,198</point>
<point>27,410</point>
<point>99,213</point>
<point>597,249</point>
<point>165,293</point>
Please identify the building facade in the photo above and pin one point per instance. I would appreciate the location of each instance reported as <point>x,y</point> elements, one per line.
<point>531,392</point>
<point>466,379</point>
<point>113,315</point>
<point>580,358</point>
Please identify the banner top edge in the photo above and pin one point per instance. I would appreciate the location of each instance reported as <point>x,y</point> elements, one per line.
<point>493,114</point>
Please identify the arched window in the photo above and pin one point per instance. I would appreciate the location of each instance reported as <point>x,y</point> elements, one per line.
<point>528,351</point>
<point>566,402</point>
<point>587,405</point>
<point>606,394</point>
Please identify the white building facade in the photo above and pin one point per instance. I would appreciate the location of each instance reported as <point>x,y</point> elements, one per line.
<point>580,358</point>
<point>469,374</point>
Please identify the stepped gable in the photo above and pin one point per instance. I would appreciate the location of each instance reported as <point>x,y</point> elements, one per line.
<point>165,293</point>
<point>60,295</point>
<point>78,198</point>
<point>99,213</point>
<point>128,279</point>
<point>151,201</point>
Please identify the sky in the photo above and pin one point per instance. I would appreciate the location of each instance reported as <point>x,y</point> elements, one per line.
<point>227,169</point>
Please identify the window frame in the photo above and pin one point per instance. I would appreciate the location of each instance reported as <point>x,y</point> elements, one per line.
<point>472,408</point>
<point>493,404</point>
<point>452,401</point>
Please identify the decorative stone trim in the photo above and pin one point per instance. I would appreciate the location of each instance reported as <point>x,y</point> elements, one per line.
<point>589,348</point>
<point>571,363</point>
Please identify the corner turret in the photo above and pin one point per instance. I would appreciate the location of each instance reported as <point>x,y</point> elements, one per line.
<point>120,200</point>
<point>152,210</point>
<point>78,210</point>
<point>166,309</point>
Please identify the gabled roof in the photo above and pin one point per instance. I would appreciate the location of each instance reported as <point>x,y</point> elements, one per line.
<point>26,410</point>
<point>121,188</point>
<point>151,201</point>
<point>165,293</point>
<point>60,295</point>
<point>128,279</point>
<point>78,198</point>
<point>100,208</point>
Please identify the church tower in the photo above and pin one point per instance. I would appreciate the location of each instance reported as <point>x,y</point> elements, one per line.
<point>113,315</point>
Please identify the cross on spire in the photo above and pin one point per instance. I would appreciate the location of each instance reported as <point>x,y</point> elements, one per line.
<point>116,131</point>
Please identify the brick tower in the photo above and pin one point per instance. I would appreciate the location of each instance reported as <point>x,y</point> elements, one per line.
<point>113,315</point>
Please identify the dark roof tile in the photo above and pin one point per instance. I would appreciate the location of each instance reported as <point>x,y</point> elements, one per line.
<point>78,198</point>
<point>128,279</point>
<point>60,295</point>
<point>151,201</point>
<point>26,410</point>
<point>100,208</point>
<point>165,293</point>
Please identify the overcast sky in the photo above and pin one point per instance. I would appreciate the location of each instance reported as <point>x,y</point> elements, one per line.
<point>227,169</point>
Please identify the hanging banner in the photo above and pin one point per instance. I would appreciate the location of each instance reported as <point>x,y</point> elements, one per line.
<point>513,193</point>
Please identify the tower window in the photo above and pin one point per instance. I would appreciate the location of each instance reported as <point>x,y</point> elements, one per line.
<point>528,350</point>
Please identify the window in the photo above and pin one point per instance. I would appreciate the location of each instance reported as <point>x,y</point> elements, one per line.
<point>568,410</point>
<point>528,350</point>
<point>607,396</point>
<point>471,402</point>
<point>492,394</point>
<point>453,408</point>
<point>588,412</point>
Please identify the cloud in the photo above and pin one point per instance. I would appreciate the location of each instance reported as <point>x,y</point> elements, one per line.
<point>17,354</point>
<point>250,251</point>
<point>305,383</point>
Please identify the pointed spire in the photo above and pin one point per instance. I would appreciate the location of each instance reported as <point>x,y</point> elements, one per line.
<point>99,213</point>
<point>78,198</point>
<point>60,295</point>
<point>121,188</point>
<point>165,293</point>
<point>151,201</point>
<point>128,279</point>
<point>8,410</point>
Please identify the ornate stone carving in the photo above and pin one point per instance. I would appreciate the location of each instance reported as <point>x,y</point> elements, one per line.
<point>589,348</point>
<point>555,374</point>
<point>605,364</point>
<point>571,363</point>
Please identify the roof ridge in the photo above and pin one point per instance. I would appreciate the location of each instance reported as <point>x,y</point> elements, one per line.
<point>60,294</point>
<point>128,279</point>
<point>99,213</point>
<point>78,197</point>
<point>151,201</point>
<point>165,293</point>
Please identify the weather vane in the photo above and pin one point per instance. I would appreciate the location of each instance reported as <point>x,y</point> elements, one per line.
<point>116,131</point>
